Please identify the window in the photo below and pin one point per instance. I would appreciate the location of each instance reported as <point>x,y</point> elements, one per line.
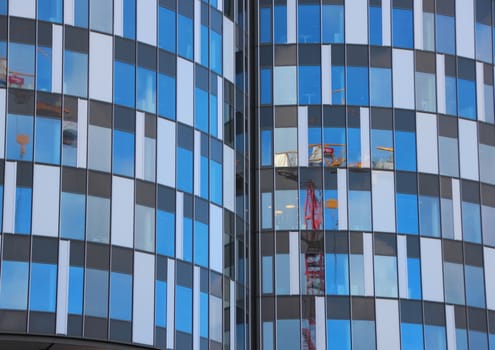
<point>309,23</point>
<point>76,73</point>
<point>101,11</point>
<point>72,215</point>
<point>47,140</point>
<point>166,29</point>
<point>309,85</point>
<point>402,25</point>
<point>120,296</point>
<point>21,66</point>
<point>146,90</point>
<point>96,293</point>
<point>185,46</point>
<point>50,10</point>
<point>333,23</point>
<point>124,84</point>
<point>280,24</point>
<point>265,25</point>
<point>43,284</point>
<point>14,291</point>
<point>375,23</point>
<point>20,137</point>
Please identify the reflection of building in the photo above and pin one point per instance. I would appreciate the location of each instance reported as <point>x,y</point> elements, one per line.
<point>375,126</point>
<point>124,188</point>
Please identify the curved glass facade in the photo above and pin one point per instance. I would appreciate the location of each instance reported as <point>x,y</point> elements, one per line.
<point>375,174</point>
<point>124,182</point>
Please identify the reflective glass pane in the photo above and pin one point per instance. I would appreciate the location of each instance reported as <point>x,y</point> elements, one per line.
<point>123,153</point>
<point>72,215</point>
<point>47,140</point>
<point>43,285</point>
<point>96,293</point>
<point>21,66</point>
<point>20,137</point>
<point>124,84</point>
<point>75,73</point>
<point>120,296</point>
<point>14,282</point>
<point>50,10</point>
<point>146,90</point>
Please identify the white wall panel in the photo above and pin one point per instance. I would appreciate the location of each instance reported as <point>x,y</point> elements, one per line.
<point>456,204</point>
<point>383,195</point>
<point>464,23</point>
<point>291,21</point>
<point>62,286</point>
<point>302,135</point>
<point>228,50</point>
<point>69,12</point>
<point>232,318</point>
<point>386,23</point>
<point>216,319</point>
<point>403,78</point>
<point>22,8</point>
<point>294,253</point>
<point>427,144</point>
<point>143,298</point>
<point>480,91</point>
<point>326,74</point>
<point>100,66</point>
<point>170,304</point>
<point>197,31</point>
<point>46,200</point>
<point>285,85</point>
<point>450,325</point>
<point>418,24</point>
<point>57,44</point>
<point>468,149</point>
<point>122,211</point>
<point>82,132</point>
<point>368,264</point>
<point>185,89</point>
<point>387,324</point>
<point>165,152</point>
<point>3,103</point>
<point>320,320</point>
<point>489,255</point>
<point>342,198</point>
<point>220,108</point>
<point>216,238</point>
<point>10,181</point>
<point>196,307</point>
<point>356,22</point>
<point>118,17</point>
<point>197,163</point>
<point>441,101</point>
<point>146,21</point>
<point>179,224</point>
<point>402,266</point>
<point>431,269</point>
<point>228,178</point>
<point>140,122</point>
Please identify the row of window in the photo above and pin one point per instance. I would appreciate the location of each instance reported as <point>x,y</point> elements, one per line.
<point>380,25</point>
<point>363,324</point>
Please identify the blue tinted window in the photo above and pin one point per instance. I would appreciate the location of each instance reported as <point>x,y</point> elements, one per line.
<point>477,340</point>
<point>96,293</point>
<point>375,25</point>
<point>50,10</point>
<point>213,115</point>
<point>402,28</point>
<point>266,147</point>
<point>359,210</point>
<point>19,137</point>
<point>267,274</point>
<point>475,286</point>
<point>44,69</point>
<point>265,25</point>
<point>338,335</point>
<point>331,210</point>
<point>161,304</point>
<point>338,85</point>
<point>3,7</point>
<point>165,233</point>
<point>23,210</point>
<point>185,37</point>
<point>216,182</point>
<point>129,19</point>
<point>333,23</point>
<point>382,156</point>
<point>75,298</point>
<point>76,73</point>
<point>451,95</point>
<point>203,315</point>
<point>337,274</point>
<point>413,278</point>
<point>166,96</point>
<point>385,276</point>
<point>357,86</point>
<point>411,336</point>
<point>81,13</point>
<point>435,338</point>
<point>43,289</point>
<point>47,140</point>
<point>72,215</point>
<point>445,34</point>
<point>124,84</point>
<point>467,98</point>
<point>471,226</point>
<point>120,296</point>
<point>309,85</point>
<point>288,333</point>
<point>483,42</point>
<point>123,153</point>
<point>146,90</point>
<point>201,110</point>
<point>183,316</point>
<point>184,169</point>
<point>266,86</point>
<point>21,66</point>
<point>201,243</point>
<point>407,213</point>
<point>429,216</point>
<point>381,87</point>
<point>309,23</point>
<point>166,29</point>
<point>204,177</point>
<point>204,46</point>
<point>280,24</point>
<point>363,334</point>
<point>354,147</point>
<point>14,282</point>
<point>216,52</point>
<point>187,239</point>
<point>405,150</point>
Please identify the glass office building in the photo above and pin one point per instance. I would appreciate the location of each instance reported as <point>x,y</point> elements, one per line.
<point>234,174</point>
<point>375,174</point>
<point>124,182</point>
